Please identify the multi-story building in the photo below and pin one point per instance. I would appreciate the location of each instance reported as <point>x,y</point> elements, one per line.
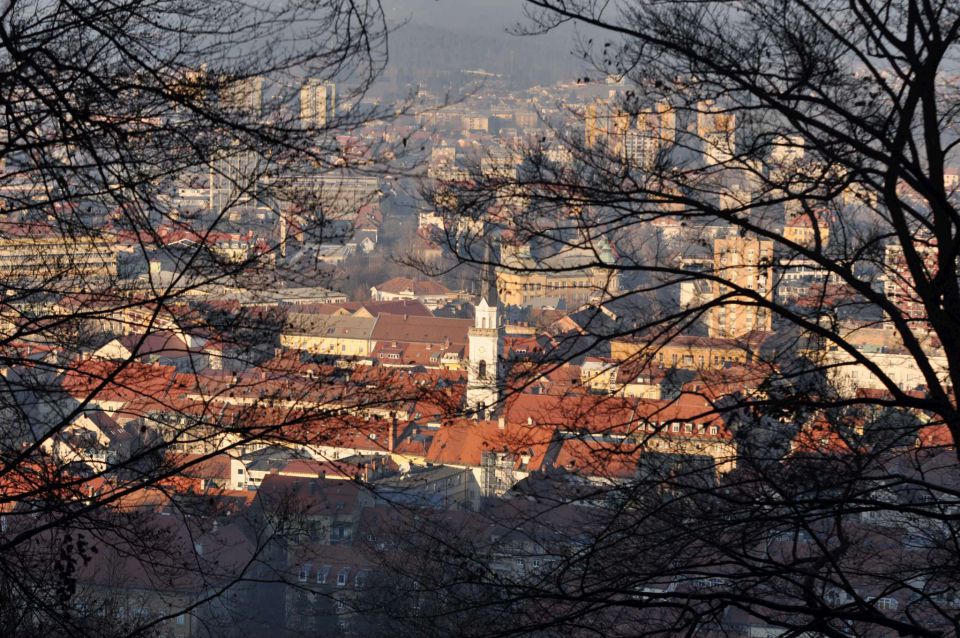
<point>342,336</point>
<point>341,194</point>
<point>431,294</point>
<point>786,153</point>
<point>605,126</point>
<point>233,178</point>
<point>317,103</point>
<point>475,122</point>
<point>745,265</point>
<point>39,254</point>
<point>573,276</point>
<point>898,284</point>
<point>685,352</point>
<point>655,130</point>
<point>244,94</point>
<point>805,228</point>
<point>849,377</point>
<point>717,131</point>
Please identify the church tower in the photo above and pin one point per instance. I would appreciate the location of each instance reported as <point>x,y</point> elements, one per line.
<point>484,372</point>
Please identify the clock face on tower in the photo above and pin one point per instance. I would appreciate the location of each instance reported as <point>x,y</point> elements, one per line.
<point>482,350</point>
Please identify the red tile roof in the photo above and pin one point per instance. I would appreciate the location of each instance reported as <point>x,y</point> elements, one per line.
<point>417,287</point>
<point>418,329</point>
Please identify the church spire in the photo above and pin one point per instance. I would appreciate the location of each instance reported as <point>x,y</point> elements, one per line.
<point>488,276</point>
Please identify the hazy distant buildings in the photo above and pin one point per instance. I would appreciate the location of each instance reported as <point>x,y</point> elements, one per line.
<point>559,155</point>
<point>598,127</point>
<point>787,151</point>
<point>318,103</point>
<point>475,122</point>
<point>339,195</point>
<point>443,165</point>
<point>233,179</point>
<point>592,132</point>
<point>655,130</point>
<point>245,94</point>
<point>717,131</point>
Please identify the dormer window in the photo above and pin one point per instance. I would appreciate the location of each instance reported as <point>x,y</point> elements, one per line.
<point>887,604</point>
<point>322,574</point>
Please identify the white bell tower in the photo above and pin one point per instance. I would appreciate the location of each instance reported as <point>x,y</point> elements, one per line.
<point>484,341</point>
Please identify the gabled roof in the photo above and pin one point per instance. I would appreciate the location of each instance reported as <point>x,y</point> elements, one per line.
<point>415,287</point>
<point>409,307</point>
<point>120,382</point>
<point>309,496</point>
<point>417,329</point>
<point>464,442</point>
<point>161,343</point>
<point>333,326</point>
<point>612,414</point>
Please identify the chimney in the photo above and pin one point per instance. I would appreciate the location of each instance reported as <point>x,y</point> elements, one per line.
<point>392,436</point>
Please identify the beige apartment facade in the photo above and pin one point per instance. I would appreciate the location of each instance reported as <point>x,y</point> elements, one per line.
<point>746,266</point>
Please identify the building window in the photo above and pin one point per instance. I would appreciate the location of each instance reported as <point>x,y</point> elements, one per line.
<point>887,604</point>
<point>482,370</point>
<point>182,619</point>
<point>322,575</point>
<point>304,573</point>
<point>343,576</point>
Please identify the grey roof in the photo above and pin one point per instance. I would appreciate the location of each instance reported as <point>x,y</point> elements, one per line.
<point>333,326</point>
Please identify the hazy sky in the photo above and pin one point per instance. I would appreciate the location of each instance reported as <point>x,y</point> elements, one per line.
<point>480,17</point>
<point>486,41</point>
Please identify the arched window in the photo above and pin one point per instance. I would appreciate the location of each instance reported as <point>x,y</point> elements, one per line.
<point>483,322</point>
<point>482,370</point>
